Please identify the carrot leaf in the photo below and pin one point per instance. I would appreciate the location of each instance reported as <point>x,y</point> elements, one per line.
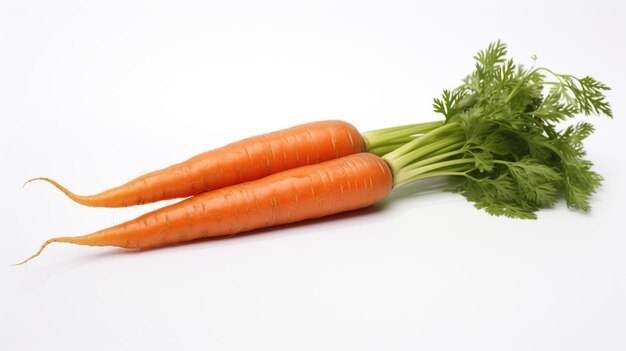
<point>503,134</point>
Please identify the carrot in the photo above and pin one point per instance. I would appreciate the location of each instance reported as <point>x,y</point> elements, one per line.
<point>251,159</point>
<point>499,137</point>
<point>242,161</point>
<point>313,191</point>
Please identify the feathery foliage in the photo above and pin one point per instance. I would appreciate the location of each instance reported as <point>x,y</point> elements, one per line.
<point>501,135</point>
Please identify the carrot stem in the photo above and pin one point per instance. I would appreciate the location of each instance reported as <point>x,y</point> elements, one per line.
<point>405,177</point>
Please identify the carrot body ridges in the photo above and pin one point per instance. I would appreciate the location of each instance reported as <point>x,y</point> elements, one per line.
<point>313,191</point>
<point>242,161</point>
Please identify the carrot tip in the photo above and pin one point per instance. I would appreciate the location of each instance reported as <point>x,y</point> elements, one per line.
<point>51,181</point>
<point>30,180</point>
<point>54,183</point>
<point>37,253</point>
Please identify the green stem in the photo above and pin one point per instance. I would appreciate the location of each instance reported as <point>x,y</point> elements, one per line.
<point>384,137</point>
<point>433,159</point>
<point>407,127</point>
<point>392,157</point>
<point>435,174</point>
<point>384,149</point>
<point>448,148</point>
<point>415,155</point>
<point>404,177</point>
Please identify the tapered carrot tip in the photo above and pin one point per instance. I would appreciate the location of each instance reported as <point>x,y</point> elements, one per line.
<point>68,193</point>
<point>49,241</point>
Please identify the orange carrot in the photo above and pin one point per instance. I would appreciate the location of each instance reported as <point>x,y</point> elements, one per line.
<point>313,191</point>
<point>242,161</point>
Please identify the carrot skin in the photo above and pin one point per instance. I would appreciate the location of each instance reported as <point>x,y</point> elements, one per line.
<point>238,162</point>
<point>307,192</point>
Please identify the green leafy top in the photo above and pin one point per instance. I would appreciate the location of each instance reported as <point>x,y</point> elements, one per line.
<point>501,135</point>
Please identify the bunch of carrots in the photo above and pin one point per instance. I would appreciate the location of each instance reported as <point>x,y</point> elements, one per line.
<point>500,137</point>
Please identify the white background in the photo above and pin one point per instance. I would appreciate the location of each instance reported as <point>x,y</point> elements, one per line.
<point>94,93</point>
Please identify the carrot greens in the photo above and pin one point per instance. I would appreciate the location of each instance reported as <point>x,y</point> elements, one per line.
<point>501,136</point>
